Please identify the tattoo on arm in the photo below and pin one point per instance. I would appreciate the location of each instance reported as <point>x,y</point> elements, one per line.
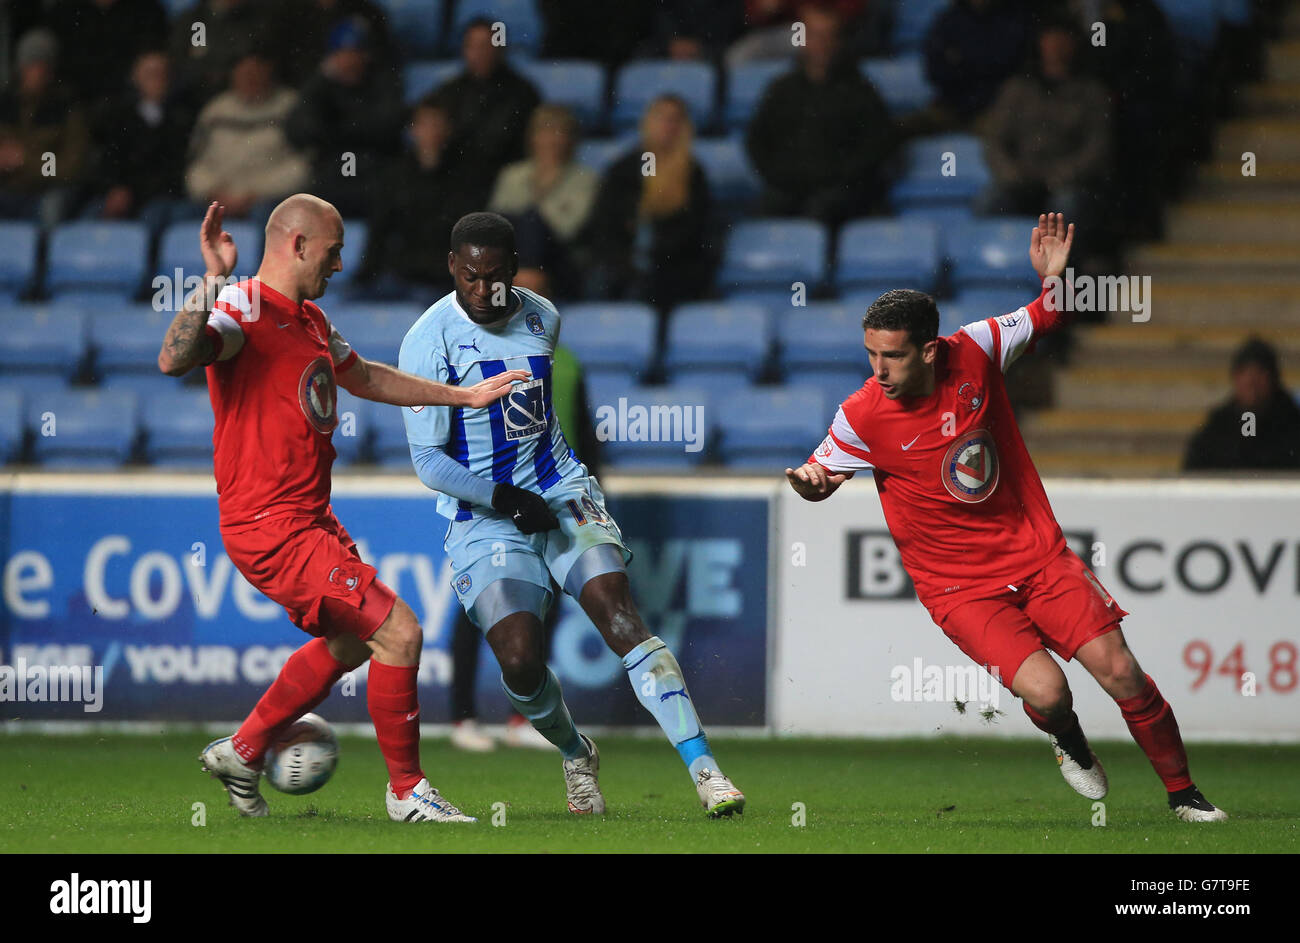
<point>187,344</point>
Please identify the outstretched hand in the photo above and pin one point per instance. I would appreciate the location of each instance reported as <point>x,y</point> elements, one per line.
<point>1049,245</point>
<point>813,482</point>
<point>218,247</point>
<point>493,388</point>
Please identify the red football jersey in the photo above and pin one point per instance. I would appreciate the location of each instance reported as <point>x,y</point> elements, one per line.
<point>961,496</point>
<point>273,396</point>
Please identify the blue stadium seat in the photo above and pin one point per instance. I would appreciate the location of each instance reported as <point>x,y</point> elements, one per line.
<point>746,84</point>
<point>355,232</point>
<point>109,257</point>
<point>47,338</point>
<point>11,425</point>
<point>18,243</point>
<point>992,251</point>
<point>728,340</point>
<point>578,85</point>
<point>352,435</point>
<point>1196,22</point>
<point>523,22</point>
<point>901,82</point>
<point>835,385</point>
<point>597,154</point>
<point>924,179</point>
<point>388,437</point>
<point>912,19</point>
<point>770,427</point>
<point>654,427</point>
<point>177,426</point>
<point>616,337</point>
<point>27,382</point>
<point>127,338</point>
<point>943,214</point>
<point>420,78</point>
<point>179,248</point>
<point>83,429</point>
<point>733,181</point>
<point>774,253</point>
<point>880,254</point>
<point>639,82</point>
<point>175,8</point>
<point>375,331</point>
<point>824,335</point>
<point>416,24</point>
<point>979,303</point>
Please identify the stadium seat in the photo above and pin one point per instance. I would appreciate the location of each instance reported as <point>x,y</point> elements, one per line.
<point>375,331</point>
<point>612,337</point>
<point>835,386</point>
<point>880,254</point>
<point>901,82</point>
<point>352,435</point>
<point>770,428</point>
<point>639,82</point>
<point>930,176</point>
<point>420,78</point>
<point>652,427</point>
<point>388,437</point>
<point>179,248</point>
<point>355,232</point>
<point>729,341</point>
<point>774,253</point>
<point>127,338</point>
<point>11,425</point>
<point>943,214</point>
<point>992,251</point>
<point>746,84</point>
<point>18,244</point>
<point>416,24</point>
<point>108,257</point>
<point>82,429</point>
<point>578,85</point>
<point>522,20</point>
<point>597,154</point>
<point>980,303</point>
<point>824,335</point>
<point>45,338</point>
<point>733,181</point>
<point>911,21</point>
<point>177,426</point>
<point>1196,22</point>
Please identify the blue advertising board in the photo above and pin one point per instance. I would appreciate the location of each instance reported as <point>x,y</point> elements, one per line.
<point>138,585</point>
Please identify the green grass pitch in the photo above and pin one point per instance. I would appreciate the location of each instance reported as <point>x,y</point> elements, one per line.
<point>133,793</point>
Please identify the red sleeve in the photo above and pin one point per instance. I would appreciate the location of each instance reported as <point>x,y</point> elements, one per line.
<point>217,344</point>
<point>1043,310</point>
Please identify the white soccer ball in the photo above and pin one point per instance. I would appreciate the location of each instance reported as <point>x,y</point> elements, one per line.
<point>304,757</point>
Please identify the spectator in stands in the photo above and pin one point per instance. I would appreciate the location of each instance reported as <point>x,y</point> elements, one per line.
<point>649,230</point>
<point>100,40</point>
<point>309,28</point>
<point>142,136</point>
<point>1257,427</point>
<point>863,31</point>
<point>688,31</point>
<point>489,104</point>
<point>241,155</point>
<point>603,32</point>
<point>44,137</point>
<point>424,193</point>
<point>548,198</point>
<point>351,106</point>
<point>821,136</point>
<point>1048,136</point>
<point>971,48</point>
<point>209,37</point>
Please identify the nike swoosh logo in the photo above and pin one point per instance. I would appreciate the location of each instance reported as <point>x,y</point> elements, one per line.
<point>912,443</point>
<point>282,326</point>
<point>413,716</point>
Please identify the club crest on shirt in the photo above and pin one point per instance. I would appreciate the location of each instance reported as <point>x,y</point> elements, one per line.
<point>463,583</point>
<point>826,448</point>
<point>317,396</point>
<point>970,467</point>
<point>534,322</point>
<point>970,396</point>
<point>346,576</point>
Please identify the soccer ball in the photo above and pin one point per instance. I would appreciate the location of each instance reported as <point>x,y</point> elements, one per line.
<point>304,757</point>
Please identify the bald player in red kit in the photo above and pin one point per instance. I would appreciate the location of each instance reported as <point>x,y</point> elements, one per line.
<point>273,362</point>
<point>973,525</point>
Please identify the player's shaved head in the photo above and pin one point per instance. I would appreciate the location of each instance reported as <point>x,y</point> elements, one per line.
<point>304,242</point>
<point>301,213</point>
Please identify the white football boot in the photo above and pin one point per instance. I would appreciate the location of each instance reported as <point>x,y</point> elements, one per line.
<point>1091,782</point>
<point>468,735</point>
<point>242,780</point>
<point>581,784</point>
<point>1190,806</point>
<point>424,804</point>
<point>718,796</point>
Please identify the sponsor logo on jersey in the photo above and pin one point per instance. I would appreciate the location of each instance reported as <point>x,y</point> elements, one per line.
<point>826,448</point>
<point>463,583</point>
<point>534,322</point>
<point>317,396</point>
<point>970,467</point>
<point>524,411</point>
<point>1009,320</point>
<point>970,396</point>
<point>473,346</point>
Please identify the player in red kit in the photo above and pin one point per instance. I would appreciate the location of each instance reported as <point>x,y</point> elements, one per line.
<point>273,361</point>
<point>973,526</point>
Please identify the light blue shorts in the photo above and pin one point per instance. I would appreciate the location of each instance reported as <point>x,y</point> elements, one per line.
<point>489,547</point>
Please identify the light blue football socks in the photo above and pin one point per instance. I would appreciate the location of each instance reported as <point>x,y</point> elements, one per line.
<point>656,679</point>
<point>546,711</point>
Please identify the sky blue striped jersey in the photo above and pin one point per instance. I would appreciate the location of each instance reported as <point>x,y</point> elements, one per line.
<point>517,439</point>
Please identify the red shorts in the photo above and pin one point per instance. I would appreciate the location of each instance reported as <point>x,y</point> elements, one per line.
<point>1060,607</point>
<point>311,567</point>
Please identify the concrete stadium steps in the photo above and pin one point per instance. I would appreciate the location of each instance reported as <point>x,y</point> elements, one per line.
<point>1240,264</point>
<point>1183,299</point>
<point>1119,432</point>
<point>1268,99</point>
<point>1149,387</point>
<point>1270,139</point>
<point>1282,61</point>
<point>1224,179</point>
<point>1142,345</point>
<point>1241,222</point>
<point>1091,462</point>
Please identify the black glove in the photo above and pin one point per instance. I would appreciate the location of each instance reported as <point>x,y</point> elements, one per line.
<point>527,509</point>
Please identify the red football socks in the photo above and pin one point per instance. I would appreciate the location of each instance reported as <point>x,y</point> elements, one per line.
<point>303,682</point>
<point>1151,721</point>
<point>395,711</point>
